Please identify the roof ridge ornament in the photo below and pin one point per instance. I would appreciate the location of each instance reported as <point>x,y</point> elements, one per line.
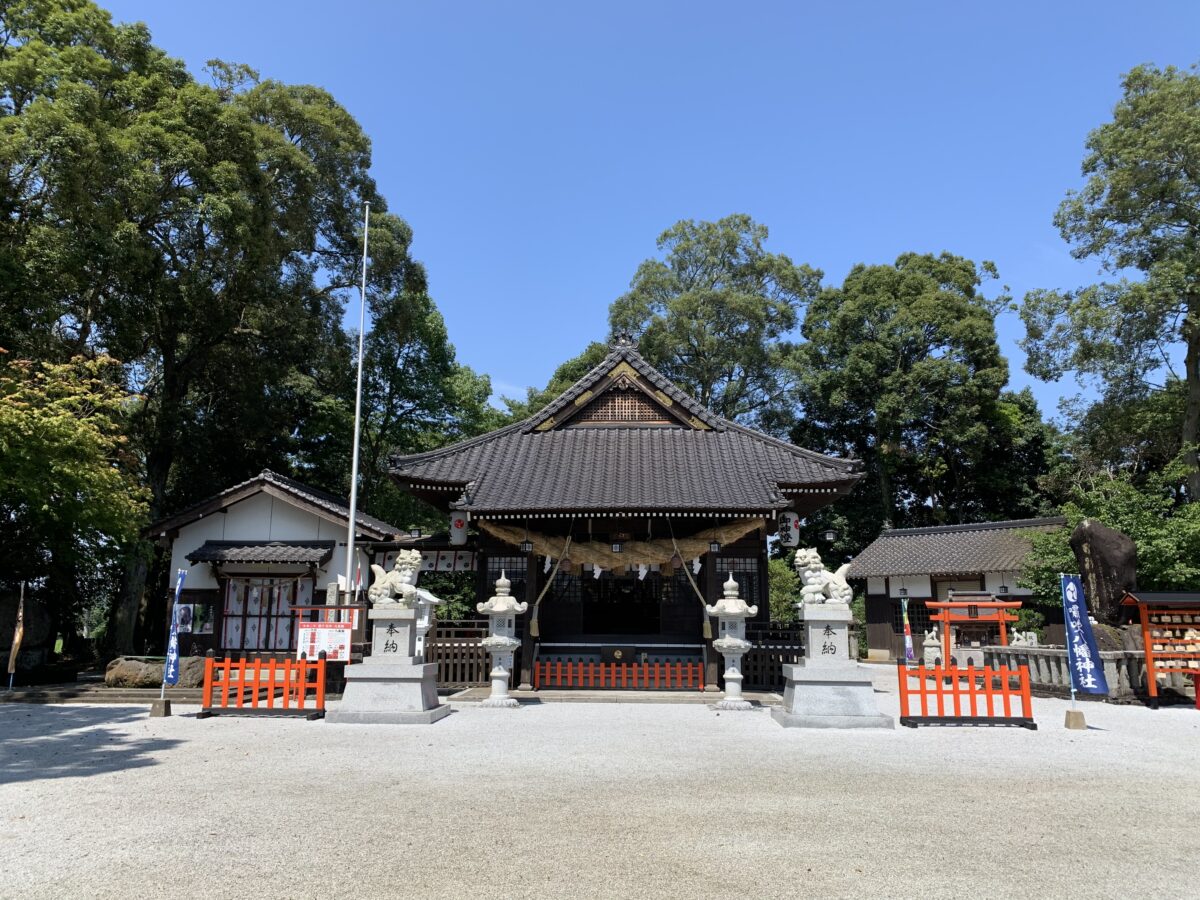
<point>622,340</point>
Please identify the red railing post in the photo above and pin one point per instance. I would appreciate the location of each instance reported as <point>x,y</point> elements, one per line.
<point>320,698</point>
<point>902,674</point>
<point>206,695</point>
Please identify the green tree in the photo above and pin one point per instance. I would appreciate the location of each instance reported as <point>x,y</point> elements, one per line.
<point>1139,210</point>
<point>783,588</point>
<point>1165,530</point>
<point>206,235</point>
<point>902,370</point>
<point>564,376</point>
<point>715,315</point>
<point>416,397</point>
<point>70,497</point>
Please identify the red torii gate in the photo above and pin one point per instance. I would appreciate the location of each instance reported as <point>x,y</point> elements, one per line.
<point>972,608</point>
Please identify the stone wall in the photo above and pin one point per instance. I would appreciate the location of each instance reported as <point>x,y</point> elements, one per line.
<point>1125,671</point>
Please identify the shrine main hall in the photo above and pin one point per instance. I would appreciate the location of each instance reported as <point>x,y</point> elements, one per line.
<point>618,510</point>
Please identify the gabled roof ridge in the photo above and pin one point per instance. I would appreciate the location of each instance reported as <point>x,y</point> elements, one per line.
<point>291,485</point>
<point>451,449</point>
<point>977,526</point>
<point>834,462</point>
<point>627,352</point>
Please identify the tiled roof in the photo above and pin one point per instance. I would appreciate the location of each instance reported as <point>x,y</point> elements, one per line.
<point>308,553</point>
<point>950,549</point>
<point>712,465</point>
<point>340,508</point>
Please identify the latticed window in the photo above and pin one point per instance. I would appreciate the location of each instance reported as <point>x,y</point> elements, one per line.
<point>918,617</point>
<point>258,612</point>
<point>621,406</point>
<point>514,569</point>
<point>745,573</point>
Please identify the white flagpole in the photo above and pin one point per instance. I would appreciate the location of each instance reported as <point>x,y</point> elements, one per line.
<point>362,320</point>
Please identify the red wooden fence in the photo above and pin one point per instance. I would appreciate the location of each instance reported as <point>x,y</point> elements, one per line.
<point>252,687</point>
<point>969,696</point>
<point>635,676</point>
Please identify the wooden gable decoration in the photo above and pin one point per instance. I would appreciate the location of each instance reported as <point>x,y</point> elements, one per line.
<point>622,396</point>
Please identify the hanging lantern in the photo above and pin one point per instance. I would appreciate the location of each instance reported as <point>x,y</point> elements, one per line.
<point>829,535</point>
<point>458,529</point>
<point>617,546</point>
<point>903,592</point>
<point>789,529</point>
<point>714,547</point>
<point>526,546</point>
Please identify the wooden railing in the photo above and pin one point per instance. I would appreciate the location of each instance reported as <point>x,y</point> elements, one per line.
<point>664,676</point>
<point>279,687</point>
<point>775,644</point>
<point>456,647</point>
<point>970,696</point>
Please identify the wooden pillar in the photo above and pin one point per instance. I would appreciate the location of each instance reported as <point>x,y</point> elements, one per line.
<point>709,584</point>
<point>529,644</point>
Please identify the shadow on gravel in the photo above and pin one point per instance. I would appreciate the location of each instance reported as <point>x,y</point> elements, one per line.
<point>39,742</point>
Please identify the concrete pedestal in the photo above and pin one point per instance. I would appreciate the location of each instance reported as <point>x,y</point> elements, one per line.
<point>160,708</point>
<point>828,689</point>
<point>389,687</point>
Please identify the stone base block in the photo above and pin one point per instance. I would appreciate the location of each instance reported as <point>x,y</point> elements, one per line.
<point>733,705</point>
<point>829,696</point>
<point>1075,720</point>
<point>160,708</point>
<point>386,717</point>
<point>500,703</point>
<point>391,693</point>
<point>790,720</point>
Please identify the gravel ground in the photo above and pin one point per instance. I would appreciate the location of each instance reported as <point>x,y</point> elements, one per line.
<point>595,800</point>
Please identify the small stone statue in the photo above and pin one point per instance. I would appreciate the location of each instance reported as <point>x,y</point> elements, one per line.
<point>400,584</point>
<point>821,585</point>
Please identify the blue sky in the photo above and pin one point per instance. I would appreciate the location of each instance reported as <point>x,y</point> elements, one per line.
<point>539,149</point>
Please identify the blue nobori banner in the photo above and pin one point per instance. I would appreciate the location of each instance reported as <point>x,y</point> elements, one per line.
<point>171,669</point>
<point>1083,659</point>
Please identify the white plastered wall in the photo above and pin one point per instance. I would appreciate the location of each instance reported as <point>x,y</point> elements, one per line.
<point>260,517</point>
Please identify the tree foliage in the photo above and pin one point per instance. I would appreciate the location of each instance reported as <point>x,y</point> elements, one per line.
<point>207,235</point>
<point>715,315</point>
<point>901,369</point>
<point>1165,530</point>
<point>70,495</point>
<point>1139,210</point>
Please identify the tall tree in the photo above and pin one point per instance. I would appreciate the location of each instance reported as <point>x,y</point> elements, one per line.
<point>416,397</point>
<point>715,314</point>
<point>902,370</point>
<point>206,235</point>
<point>1140,209</point>
<point>69,489</point>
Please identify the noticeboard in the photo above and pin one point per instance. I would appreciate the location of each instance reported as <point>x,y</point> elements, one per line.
<point>332,637</point>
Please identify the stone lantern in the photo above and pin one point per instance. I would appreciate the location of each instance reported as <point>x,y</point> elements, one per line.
<point>731,612</point>
<point>502,611</point>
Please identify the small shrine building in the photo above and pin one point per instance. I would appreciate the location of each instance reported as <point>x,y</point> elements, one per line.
<point>619,509</point>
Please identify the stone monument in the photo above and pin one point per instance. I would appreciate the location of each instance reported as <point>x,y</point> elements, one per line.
<point>732,612</point>
<point>391,687</point>
<point>827,689</point>
<point>502,611</point>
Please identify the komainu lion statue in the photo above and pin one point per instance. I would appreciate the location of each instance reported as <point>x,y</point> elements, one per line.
<point>821,585</point>
<point>400,584</point>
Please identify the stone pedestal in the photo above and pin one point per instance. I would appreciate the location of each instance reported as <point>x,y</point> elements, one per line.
<point>390,687</point>
<point>828,689</point>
